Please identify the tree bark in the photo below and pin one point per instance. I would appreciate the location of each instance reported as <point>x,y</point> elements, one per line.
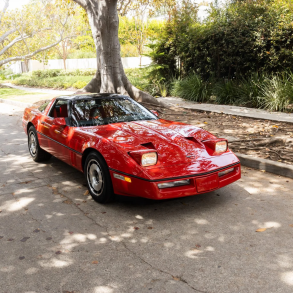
<point>110,76</point>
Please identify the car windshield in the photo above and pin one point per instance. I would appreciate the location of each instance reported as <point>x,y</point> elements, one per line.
<point>99,111</point>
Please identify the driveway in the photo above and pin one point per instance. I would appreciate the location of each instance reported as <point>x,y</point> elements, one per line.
<point>55,238</point>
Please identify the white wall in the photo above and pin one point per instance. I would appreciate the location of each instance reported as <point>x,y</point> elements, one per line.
<point>90,63</point>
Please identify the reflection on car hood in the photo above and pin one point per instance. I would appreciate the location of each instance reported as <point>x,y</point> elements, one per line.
<point>170,139</point>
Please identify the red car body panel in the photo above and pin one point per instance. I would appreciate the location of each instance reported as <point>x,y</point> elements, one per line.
<point>180,148</point>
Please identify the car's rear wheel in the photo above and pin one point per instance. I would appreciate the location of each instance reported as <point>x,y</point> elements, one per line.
<point>98,178</point>
<point>35,150</point>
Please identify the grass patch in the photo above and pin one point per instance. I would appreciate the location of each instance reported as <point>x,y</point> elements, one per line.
<point>57,82</point>
<point>8,92</point>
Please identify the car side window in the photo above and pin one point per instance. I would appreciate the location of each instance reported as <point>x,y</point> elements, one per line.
<point>60,109</point>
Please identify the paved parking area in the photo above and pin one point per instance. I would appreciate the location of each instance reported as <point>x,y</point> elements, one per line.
<point>54,238</point>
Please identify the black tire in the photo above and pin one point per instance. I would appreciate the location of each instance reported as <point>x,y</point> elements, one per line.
<point>98,178</point>
<point>34,148</point>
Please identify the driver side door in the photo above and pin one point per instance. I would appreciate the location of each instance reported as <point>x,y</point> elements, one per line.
<point>56,134</point>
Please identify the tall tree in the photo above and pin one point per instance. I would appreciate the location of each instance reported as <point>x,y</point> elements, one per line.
<point>110,76</point>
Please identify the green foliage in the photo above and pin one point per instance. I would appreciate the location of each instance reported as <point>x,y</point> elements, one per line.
<point>192,88</point>
<point>273,92</point>
<point>5,73</point>
<point>129,50</point>
<point>276,92</point>
<point>79,84</point>
<point>60,72</point>
<point>61,81</point>
<point>242,38</point>
<point>46,73</point>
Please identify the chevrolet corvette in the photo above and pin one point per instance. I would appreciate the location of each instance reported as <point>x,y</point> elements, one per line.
<point>123,148</point>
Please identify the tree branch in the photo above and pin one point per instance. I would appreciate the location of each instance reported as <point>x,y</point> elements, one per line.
<point>122,8</point>
<point>82,3</point>
<point>19,39</point>
<point>6,4</point>
<point>3,37</point>
<point>28,56</point>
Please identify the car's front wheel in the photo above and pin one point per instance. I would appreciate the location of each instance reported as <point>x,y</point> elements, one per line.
<point>98,178</point>
<point>35,150</point>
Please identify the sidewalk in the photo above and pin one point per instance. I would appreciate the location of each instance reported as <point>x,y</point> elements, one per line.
<point>227,109</point>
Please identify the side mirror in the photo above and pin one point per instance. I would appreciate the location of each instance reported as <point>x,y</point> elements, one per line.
<point>155,112</point>
<point>59,121</point>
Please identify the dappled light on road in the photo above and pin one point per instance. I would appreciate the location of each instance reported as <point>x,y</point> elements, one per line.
<point>287,278</point>
<point>55,238</point>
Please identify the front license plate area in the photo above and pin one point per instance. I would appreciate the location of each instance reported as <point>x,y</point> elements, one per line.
<point>207,183</point>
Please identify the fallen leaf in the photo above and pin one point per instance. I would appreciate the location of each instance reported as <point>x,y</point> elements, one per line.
<point>103,212</point>
<point>67,201</point>
<point>95,262</point>
<point>70,232</point>
<point>58,252</point>
<point>37,231</point>
<point>21,257</point>
<point>24,239</point>
<point>86,193</point>
<point>291,225</point>
<point>84,201</point>
<point>10,239</point>
<point>150,228</point>
<point>135,228</point>
<point>261,230</point>
<point>176,278</point>
<point>197,246</point>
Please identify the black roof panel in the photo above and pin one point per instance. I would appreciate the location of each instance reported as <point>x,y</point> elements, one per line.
<point>91,96</point>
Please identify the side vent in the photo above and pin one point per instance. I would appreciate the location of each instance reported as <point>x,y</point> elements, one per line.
<point>148,145</point>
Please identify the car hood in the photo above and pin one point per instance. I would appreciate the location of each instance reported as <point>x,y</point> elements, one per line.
<point>176,143</point>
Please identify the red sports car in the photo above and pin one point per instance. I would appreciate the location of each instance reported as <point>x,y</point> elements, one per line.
<point>123,148</point>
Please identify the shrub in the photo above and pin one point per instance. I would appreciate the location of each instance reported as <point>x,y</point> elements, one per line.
<point>46,73</point>
<point>192,88</point>
<point>237,40</point>
<point>79,84</point>
<point>276,93</point>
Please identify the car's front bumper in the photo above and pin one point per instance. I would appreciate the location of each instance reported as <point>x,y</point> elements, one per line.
<point>199,183</point>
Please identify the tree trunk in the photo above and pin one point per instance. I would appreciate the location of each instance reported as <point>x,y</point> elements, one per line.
<point>110,76</point>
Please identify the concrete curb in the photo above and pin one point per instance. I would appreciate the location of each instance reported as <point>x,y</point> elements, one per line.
<point>16,103</point>
<point>277,168</point>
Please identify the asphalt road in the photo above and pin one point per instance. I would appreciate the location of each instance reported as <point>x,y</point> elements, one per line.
<point>53,238</point>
